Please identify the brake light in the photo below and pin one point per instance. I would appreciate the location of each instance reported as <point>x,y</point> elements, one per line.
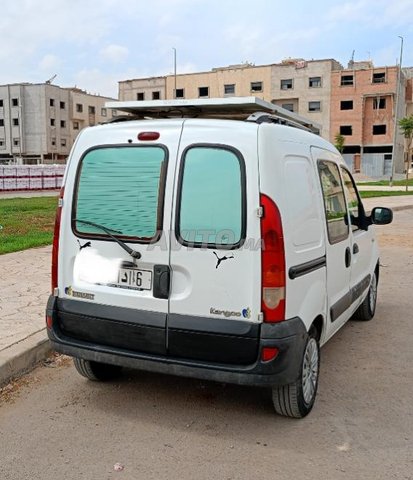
<point>56,235</point>
<point>272,262</point>
<point>148,136</point>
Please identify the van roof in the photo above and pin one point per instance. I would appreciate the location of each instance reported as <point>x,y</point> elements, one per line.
<point>236,108</point>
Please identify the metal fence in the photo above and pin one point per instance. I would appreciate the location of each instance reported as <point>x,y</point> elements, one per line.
<point>31,177</point>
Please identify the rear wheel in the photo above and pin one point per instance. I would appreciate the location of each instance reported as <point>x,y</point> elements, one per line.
<point>367,309</point>
<point>96,371</point>
<point>297,399</point>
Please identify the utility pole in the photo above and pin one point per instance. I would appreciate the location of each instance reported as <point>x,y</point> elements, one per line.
<point>396,111</point>
<point>174,95</point>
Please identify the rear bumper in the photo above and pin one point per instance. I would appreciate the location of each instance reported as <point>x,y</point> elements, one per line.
<point>289,337</point>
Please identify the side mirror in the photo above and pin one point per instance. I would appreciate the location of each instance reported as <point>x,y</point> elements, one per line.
<point>381,216</point>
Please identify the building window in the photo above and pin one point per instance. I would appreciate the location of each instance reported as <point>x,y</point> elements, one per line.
<point>140,96</point>
<point>379,77</point>
<point>62,123</point>
<point>103,112</point>
<point>156,95</point>
<point>229,89</point>
<point>288,106</point>
<point>15,102</point>
<point>62,105</point>
<point>346,105</point>
<point>314,106</point>
<point>203,91</point>
<point>79,107</point>
<point>346,130</point>
<point>53,141</point>
<point>179,93</point>
<point>287,84</point>
<point>347,80</point>
<point>52,122</point>
<point>1,122</point>
<point>2,143</point>
<point>1,103</point>
<point>92,110</point>
<point>63,142</point>
<point>379,103</point>
<point>314,82</point>
<point>379,129</point>
<point>75,125</point>
<point>256,86</point>
<point>15,122</point>
<point>16,142</point>
<point>51,102</point>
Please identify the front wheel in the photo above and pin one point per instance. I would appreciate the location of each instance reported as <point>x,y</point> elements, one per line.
<point>99,372</point>
<point>297,399</point>
<point>367,309</point>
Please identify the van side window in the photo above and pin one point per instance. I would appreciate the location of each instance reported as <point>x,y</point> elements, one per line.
<point>354,204</point>
<point>121,189</point>
<point>334,201</point>
<point>211,209</point>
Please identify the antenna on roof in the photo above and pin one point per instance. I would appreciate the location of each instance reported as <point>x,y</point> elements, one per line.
<point>351,61</point>
<point>48,82</point>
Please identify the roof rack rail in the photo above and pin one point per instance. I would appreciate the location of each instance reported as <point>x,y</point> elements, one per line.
<point>263,117</point>
<point>251,109</point>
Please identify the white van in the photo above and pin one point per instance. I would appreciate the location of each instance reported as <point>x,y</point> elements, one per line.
<point>225,250</point>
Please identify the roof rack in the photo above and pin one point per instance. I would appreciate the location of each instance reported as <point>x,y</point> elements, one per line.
<point>251,109</point>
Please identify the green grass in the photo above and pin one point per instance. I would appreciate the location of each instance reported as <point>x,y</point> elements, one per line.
<point>386,183</point>
<point>381,193</point>
<point>26,223</point>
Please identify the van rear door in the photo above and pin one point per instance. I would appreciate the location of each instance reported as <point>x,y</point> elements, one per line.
<point>119,191</point>
<point>215,248</point>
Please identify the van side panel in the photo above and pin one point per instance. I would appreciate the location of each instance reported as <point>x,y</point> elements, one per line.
<point>288,176</point>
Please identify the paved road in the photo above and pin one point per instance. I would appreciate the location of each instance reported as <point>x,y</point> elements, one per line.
<point>56,425</point>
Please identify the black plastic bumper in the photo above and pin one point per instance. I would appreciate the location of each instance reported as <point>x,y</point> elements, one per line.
<point>289,337</point>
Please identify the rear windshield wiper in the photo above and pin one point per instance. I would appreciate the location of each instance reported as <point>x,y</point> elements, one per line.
<point>132,253</point>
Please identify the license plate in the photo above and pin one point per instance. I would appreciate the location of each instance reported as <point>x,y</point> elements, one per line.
<point>135,278</point>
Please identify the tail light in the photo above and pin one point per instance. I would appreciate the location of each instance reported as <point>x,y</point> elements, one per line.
<point>55,250</point>
<point>272,262</point>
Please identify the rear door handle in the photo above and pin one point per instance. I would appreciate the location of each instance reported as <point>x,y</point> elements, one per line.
<point>161,281</point>
<point>356,248</point>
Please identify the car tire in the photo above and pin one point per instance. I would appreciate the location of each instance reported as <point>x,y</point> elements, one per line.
<point>367,309</point>
<point>96,371</point>
<point>297,399</point>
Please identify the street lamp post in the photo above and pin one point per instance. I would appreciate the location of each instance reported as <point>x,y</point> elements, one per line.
<point>396,110</point>
<point>174,49</point>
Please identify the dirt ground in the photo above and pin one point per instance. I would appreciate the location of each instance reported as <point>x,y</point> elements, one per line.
<point>55,424</point>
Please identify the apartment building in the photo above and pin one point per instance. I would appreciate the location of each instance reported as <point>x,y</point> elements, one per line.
<point>304,87</point>
<point>37,121</point>
<point>300,86</point>
<point>363,108</point>
<point>357,102</point>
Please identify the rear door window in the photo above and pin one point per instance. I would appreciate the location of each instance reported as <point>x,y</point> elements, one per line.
<point>211,205</point>
<point>121,188</point>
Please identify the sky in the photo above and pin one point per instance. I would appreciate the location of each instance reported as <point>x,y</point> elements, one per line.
<point>93,44</point>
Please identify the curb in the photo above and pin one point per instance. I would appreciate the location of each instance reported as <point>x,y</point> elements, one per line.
<point>402,207</point>
<point>22,356</point>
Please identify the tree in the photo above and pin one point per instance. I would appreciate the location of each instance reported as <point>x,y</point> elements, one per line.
<point>339,142</point>
<point>406,126</point>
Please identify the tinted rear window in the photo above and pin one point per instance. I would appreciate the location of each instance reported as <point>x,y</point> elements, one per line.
<point>121,189</point>
<point>211,209</point>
